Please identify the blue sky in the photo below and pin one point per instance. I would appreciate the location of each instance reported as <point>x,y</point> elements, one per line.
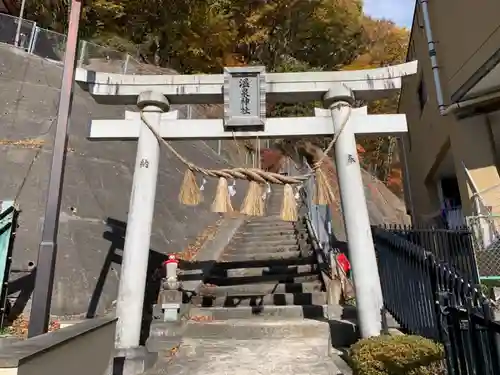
<point>399,11</point>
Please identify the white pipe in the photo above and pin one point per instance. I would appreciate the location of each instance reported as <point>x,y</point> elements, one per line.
<point>444,110</point>
<point>467,103</point>
<point>432,54</point>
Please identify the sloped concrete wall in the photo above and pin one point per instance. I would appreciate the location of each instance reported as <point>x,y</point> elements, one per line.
<point>97,185</point>
<point>84,348</point>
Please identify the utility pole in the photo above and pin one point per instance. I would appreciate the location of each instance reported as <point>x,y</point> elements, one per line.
<point>19,23</point>
<point>47,252</point>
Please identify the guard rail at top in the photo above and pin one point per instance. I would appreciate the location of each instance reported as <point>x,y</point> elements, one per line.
<point>48,44</point>
<point>81,349</point>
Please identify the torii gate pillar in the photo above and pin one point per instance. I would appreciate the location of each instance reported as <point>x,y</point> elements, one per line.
<point>369,299</point>
<point>140,216</point>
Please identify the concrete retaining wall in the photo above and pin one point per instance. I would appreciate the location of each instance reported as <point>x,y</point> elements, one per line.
<point>81,349</point>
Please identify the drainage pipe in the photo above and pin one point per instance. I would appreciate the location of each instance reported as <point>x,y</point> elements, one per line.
<point>443,109</point>
<point>432,54</point>
<point>467,103</point>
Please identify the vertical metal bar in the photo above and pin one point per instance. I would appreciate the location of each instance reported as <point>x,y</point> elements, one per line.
<point>258,153</point>
<point>32,37</point>
<point>219,146</point>
<point>19,23</point>
<point>35,39</point>
<point>125,66</point>
<point>47,253</point>
<point>82,53</point>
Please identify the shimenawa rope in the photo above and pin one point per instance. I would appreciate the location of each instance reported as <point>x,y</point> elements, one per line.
<point>253,204</point>
<point>249,174</point>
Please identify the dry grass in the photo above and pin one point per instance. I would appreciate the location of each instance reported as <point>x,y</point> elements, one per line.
<point>29,143</point>
<point>23,143</point>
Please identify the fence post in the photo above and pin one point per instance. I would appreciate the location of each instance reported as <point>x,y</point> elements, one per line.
<point>32,37</point>
<point>125,66</point>
<point>19,23</point>
<point>83,52</point>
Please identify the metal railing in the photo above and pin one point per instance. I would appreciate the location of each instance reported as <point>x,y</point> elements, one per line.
<point>317,216</point>
<point>7,222</point>
<point>50,45</point>
<point>452,246</point>
<point>429,298</point>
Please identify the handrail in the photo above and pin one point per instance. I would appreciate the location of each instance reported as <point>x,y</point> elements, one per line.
<point>7,22</point>
<point>7,222</point>
<point>324,249</point>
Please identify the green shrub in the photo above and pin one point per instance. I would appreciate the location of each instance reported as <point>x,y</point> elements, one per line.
<point>396,355</point>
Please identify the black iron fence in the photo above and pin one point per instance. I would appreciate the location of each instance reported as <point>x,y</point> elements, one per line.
<point>429,298</point>
<point>454,247</point>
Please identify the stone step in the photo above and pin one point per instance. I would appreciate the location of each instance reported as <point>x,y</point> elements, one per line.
<point>254,329</point>
<point>245,312</point>
<point>263,219</point>
<point>266,263</point>
<point>269,221</point>
<point>270,356</point>
<point>267,240</point>
<point>261,288</point>
<point>278,299</point>
<point>265,271</point>
<point>278,278</point>
<point>266,230</point>
<point>260,248</point>
<point>166,331</point>
<point>235,257</point>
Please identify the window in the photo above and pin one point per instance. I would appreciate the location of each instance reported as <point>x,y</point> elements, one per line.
<point>451,192</point>
<point>422,94</point>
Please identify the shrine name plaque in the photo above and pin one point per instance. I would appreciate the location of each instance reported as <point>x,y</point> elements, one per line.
<point>244,98</point>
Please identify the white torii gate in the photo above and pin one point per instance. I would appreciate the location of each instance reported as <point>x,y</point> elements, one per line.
<point>245,118</point>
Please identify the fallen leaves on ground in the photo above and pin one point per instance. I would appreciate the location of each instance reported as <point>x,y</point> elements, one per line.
<point>190,252</point>
<point>24,143</point>
<point>172,353</point>
<point>27,143</point>
<point>19,327</point>
<point>174,350</point>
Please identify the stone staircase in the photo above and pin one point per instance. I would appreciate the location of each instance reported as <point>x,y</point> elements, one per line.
<point>262,308</point>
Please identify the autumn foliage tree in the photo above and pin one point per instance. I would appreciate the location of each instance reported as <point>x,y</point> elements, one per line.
<point>195,36</point>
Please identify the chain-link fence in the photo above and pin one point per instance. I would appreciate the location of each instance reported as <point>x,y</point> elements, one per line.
<point>48,44</point>
<point>15,32</point>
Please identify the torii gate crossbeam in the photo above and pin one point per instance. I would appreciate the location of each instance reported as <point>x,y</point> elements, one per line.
<point>370,84</point>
